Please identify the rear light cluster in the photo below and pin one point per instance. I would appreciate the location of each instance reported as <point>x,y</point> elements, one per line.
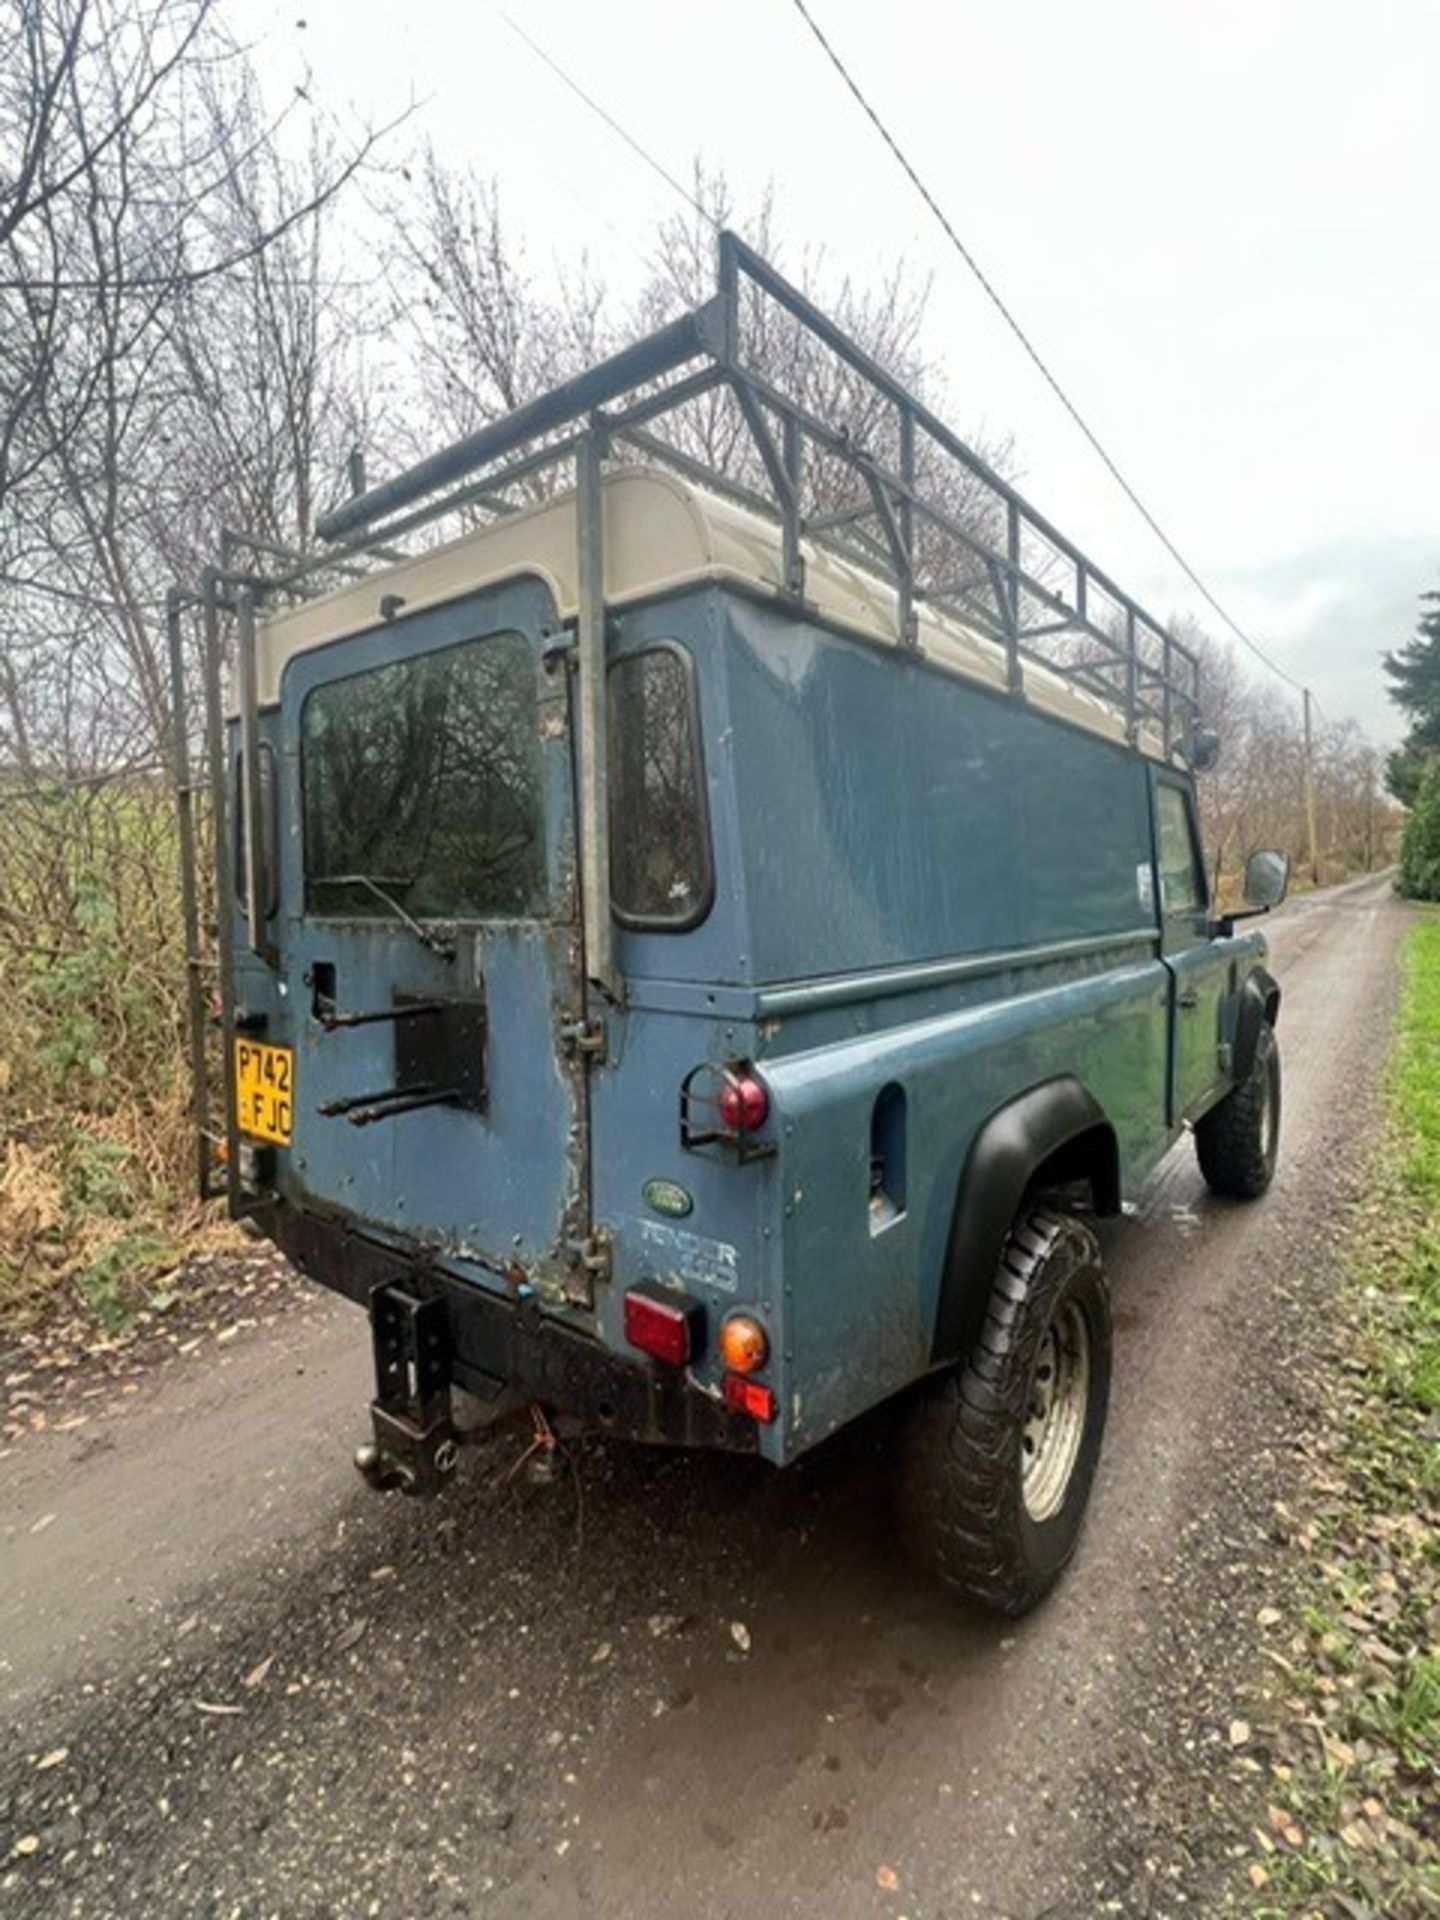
<point>749,1396</point>
<point>725,1107</point>
<point>743,1103</point>
<point>664,1323</point>
<point>671,1326</point>
<point>743,1345</point>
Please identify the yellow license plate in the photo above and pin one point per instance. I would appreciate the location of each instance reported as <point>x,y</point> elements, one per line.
<point>264,1091</point>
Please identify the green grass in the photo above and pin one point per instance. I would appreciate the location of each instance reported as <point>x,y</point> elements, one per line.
<point>1351,1824</point>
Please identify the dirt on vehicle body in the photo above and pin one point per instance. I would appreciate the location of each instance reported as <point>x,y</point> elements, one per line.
<point>692,958</point>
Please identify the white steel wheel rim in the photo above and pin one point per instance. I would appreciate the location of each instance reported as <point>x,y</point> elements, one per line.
<point>1055,1418</point>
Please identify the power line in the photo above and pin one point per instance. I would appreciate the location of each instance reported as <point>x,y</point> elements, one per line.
<point>663,173</point>
<point>614,125</point>
<point>1033,351</point>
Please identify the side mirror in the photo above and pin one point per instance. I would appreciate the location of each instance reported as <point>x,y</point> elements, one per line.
<point>1204,749</point>
<point>1267,878</point>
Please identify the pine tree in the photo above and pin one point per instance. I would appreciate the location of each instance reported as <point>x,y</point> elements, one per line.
<point>1404,768</point>
<point>1414,670</point>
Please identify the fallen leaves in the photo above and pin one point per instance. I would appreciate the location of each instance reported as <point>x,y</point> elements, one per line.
<point>352,1635</point>
<point>740,1634</point>
<point>257,1674</point>
<point>1283,1823</point>
<point>71,1352</point>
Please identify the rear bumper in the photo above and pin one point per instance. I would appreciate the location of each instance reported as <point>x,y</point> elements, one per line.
<point>496,1343</point>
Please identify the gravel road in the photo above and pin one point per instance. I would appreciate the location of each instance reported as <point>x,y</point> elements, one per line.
<point>667,1685</point>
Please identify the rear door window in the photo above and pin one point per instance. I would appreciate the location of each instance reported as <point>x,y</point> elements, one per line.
<point>424,777</point>
<point>660,872</point>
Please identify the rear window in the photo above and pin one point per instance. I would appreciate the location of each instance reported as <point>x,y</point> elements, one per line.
<point>659,835</point>
<point>424,777</point>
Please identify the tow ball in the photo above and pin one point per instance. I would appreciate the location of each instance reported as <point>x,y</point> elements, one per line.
<point>416,1447</point>
<point>386,1469</point>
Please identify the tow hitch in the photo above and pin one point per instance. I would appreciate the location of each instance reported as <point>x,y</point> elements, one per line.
<point>415,1446</point>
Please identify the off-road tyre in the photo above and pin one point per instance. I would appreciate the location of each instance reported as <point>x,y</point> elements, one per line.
<point>1238,1141</point>
<point>960,1482</point>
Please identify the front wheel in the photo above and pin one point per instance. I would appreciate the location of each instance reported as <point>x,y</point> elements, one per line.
<point>997,1456</point>
<point>1238,1141</point>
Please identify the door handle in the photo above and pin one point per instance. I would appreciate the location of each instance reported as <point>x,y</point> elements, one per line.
<point>1189,998</point>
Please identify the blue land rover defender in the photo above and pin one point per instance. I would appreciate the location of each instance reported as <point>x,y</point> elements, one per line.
<point>696,947</point>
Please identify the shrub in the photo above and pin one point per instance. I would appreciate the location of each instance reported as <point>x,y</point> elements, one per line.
<point>95,1136</point>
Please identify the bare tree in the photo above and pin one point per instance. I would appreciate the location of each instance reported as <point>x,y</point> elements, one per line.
<point>177,348</point>
<point>145,211</point>
<point>1256,795</point>
<point>488,331</point>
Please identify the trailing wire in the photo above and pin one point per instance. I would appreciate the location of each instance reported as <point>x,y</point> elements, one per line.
<point>1034,353</point>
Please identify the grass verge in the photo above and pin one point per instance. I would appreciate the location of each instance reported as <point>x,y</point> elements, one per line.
<point>1349,1825</point>
<point>96,1139</point>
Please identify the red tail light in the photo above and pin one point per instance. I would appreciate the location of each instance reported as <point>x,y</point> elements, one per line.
<point>743,1101</point>
<point>750,1396</point>
<point>670,1325</point>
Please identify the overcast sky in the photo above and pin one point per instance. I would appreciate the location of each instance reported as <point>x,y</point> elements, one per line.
<point>1220,223</point>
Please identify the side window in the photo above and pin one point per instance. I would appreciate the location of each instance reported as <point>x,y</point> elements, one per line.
<point>659,835</point>
<point>269,875</point>
<point>1182,884</point>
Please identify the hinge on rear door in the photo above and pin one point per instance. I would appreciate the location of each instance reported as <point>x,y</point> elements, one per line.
<point>590,1259</point>
<point>556,646</point>
<point>584,1037</point>
<point>593,1253</point>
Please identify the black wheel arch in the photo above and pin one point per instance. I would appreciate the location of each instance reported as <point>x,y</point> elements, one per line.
<point>1259,1007</point>
<point>1053,1133</point>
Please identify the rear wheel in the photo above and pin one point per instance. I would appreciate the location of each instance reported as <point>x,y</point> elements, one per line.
<point>1238,1141</point>
<point>997,1456</point>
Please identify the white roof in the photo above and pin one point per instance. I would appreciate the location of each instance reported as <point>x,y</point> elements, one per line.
<point>661,533</point>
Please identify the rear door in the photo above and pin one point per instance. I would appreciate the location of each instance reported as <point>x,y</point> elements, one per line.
<point>1198,970</point>
<point>435,956</point>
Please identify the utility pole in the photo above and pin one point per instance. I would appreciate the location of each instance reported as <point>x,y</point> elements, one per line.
<point>1310,791</point>
<point>1369,813</point>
